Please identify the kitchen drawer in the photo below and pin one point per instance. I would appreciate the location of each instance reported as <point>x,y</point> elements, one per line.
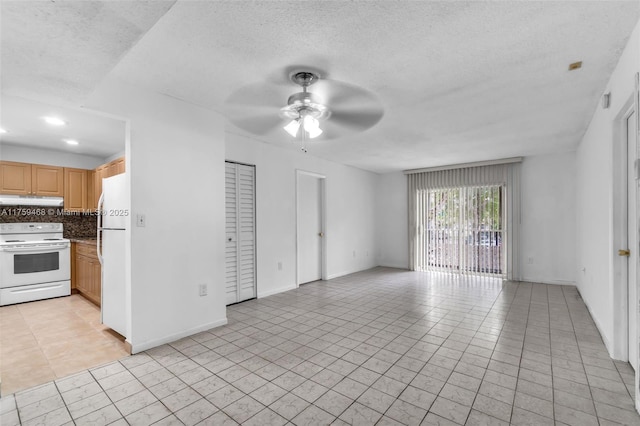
<point>86,250</point>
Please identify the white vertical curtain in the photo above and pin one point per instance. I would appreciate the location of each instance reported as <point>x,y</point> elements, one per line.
<point>505,174</point>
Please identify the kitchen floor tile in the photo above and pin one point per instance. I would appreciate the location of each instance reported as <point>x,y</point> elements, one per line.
<point>51,339</point>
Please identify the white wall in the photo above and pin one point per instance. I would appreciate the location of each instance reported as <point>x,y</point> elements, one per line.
<point>49,157</point>
<point>175,164</point>
<point>391,220</point>
<point>350,209</point>
<point>596,255</point>
<point>548,231</point>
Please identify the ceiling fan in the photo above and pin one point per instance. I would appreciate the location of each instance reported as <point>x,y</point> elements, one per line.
<point>323,109</point>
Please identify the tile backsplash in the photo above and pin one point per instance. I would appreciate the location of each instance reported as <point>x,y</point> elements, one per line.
<point>76,225</point>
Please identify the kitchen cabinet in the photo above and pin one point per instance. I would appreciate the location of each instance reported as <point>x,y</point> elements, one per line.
<point>75,189</point>
<point>47,180</point>
<point>100,173</point>
<point>87,272</point>
<point>31,179</point>
<point>92,200</point>
<point>106,170</point>
<point>119,165</point>
<point>15,178</point>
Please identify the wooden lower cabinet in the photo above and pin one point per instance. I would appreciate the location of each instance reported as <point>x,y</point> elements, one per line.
<point>87,274</point>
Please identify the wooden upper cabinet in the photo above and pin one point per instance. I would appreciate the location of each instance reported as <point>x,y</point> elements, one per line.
<point>47,180</point>
<point>75,189</point>
<point>15,178</point>
<point>92,200</point>
<point>119,165</point>
<point>106,170</point>
<point>31,179</point>
<point>112,169</point>
<point>101,172</point>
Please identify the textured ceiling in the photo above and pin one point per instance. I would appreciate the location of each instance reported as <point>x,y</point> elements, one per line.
<point>59,51</point>
<point>459,81</point>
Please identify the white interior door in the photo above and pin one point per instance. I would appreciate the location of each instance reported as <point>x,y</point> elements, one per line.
<point>240,262</point>
<point>632,242</point>
<point>310,232</point>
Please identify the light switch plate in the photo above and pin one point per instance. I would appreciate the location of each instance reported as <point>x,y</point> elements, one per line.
<point>141,220</point>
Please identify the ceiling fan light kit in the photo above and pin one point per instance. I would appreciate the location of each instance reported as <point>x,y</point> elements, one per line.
<point>305,109</point>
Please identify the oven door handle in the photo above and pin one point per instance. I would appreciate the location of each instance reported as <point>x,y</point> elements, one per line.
<point>37,248</point>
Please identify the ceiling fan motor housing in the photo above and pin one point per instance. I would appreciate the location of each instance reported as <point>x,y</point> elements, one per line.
<point>304,78</point>
<point>305,103</point>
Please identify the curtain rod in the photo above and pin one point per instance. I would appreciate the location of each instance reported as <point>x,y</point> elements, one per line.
<point>465,165</point>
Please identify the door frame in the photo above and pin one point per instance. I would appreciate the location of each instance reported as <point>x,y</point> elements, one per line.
<point>323,222</point>
<point>620,233</point>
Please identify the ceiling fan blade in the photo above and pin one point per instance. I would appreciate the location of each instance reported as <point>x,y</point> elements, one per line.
<point>357,120</point>
<point>340,95</point>
<point>258,124</point>
<point>256,107</point>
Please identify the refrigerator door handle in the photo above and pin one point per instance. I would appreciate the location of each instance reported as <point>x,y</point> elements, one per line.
<point>99,230</point>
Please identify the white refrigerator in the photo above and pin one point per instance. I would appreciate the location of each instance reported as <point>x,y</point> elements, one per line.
<point>113,217</point>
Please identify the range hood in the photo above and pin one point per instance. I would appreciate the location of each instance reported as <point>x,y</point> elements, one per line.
<point>25,200</point>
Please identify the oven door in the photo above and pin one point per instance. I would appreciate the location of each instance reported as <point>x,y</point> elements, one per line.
<point>34,264</point>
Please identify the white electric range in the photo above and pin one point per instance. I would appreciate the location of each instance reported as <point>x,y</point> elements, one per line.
<point>35,262</point>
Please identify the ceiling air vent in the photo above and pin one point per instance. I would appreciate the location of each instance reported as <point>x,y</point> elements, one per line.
<point>575,65</point>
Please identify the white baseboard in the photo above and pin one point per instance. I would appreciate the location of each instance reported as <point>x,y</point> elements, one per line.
<point>343,273</point>
<point>394,265</point>
<point>139,347</point>
<point>262,294</point>
<point>605,340</point>
<point>547,281</point>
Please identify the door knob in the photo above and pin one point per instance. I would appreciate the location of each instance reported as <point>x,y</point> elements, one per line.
<point>321,234</point>
<point>624,253</point>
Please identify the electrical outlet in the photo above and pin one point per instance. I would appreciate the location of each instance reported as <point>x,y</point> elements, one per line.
<point>279,266</point>
<point>141,220</point>
<point>203,289</point>
<point>354,253</point>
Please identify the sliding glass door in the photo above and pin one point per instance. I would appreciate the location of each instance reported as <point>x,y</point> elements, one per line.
<point>461,230</point>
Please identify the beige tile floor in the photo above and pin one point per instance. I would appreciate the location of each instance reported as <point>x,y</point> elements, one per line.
<point>49,339</point>
<point>383,347</point>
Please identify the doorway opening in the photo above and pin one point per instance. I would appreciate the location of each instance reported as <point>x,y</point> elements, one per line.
<point>310,227</point>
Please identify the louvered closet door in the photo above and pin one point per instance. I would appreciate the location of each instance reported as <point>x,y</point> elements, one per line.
<point>240,233</point>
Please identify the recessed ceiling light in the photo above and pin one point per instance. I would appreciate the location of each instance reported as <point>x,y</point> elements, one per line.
<point>71,141</point>
<point>54,121</point>
<point>2,130</point>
